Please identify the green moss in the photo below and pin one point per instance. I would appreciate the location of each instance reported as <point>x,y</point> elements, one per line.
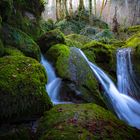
<point>51,38</point>
<point>101,53</point>
<point>12,51</point>
<point>78,38</point>
<point>35,6</point>
<point>20,40</point>
<point>90,31</point>
<point>134,41</point>
<point>132,30</point>
<point>31,27</point>
<point>80,122</point>
<point>22,89</point>
<point>70,65</point>
<point>73,43</point>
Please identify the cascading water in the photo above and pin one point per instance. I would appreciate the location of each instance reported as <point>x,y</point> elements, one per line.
<point>127,83</point>
<point>125,107</point>
<point>54,82</point>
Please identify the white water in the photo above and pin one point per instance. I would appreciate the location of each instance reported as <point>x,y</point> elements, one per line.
<point>54,83</point>
<point>125,107</point>
<point>127,83</point>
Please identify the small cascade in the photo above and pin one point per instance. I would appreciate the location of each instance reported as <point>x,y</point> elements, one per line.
<point>125,107</point>
<point>54,82</point>
<point>127,80</point>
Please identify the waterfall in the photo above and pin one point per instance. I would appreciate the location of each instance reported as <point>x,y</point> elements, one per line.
<point>127,80</point>
<point>126,108</point>
<point>54,82</point>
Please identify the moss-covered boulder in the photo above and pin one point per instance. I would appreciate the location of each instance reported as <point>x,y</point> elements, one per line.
<point>81,122</point>
<point>102,54</point>
<point>50,38</point>
<point>12,51</point>
<point>16,38</point>
<point>71,66</point>
<point>22,89</point>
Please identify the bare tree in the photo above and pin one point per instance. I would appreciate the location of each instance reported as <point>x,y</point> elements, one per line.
<point>70,8</point>
<point>66,8</point>
<point>57,11</point>
<point>115,24</point>
<point>81,5</point>
<point>102,7</point>
<point>95,7</point>
<point>90,7</point>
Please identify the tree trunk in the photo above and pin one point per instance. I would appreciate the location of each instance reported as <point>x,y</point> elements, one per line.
<point>57,11</point>
<point>81,5</point>
<point>95,7</point>
<point>90,7</point>
<point>70,8</point>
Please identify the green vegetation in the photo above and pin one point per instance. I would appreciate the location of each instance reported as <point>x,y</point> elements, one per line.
<point>71,65</point>
<point>24,35</point>
<point>49,39</point>
<point>100,53</point>
<point>22,89</point>
<point>78,38</point>
<point>15,37</point>
<point>80,122</point>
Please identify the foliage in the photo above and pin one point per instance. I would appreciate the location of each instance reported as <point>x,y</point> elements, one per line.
<point>78,38</point>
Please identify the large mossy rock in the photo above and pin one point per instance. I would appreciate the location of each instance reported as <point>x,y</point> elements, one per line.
<point>83,122</point>
<point>72,67</point>
<point>22,88</point>
<point>102,54</point>
<point>15,37</point>
<point>51,38</point>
